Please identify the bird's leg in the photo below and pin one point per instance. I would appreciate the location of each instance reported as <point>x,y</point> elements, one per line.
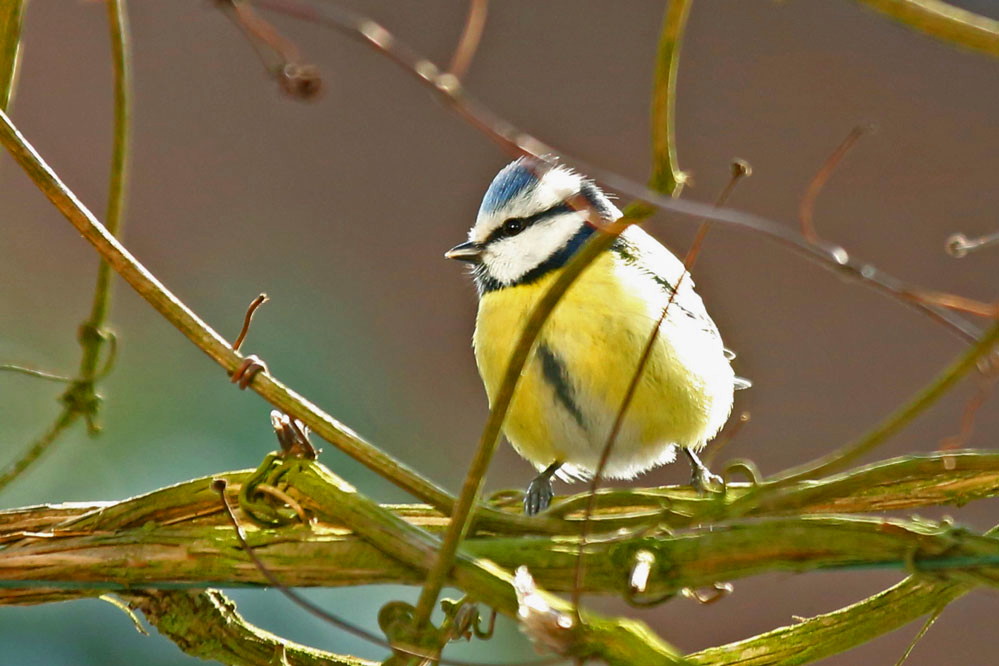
<point>539,491</point>
<point>702,478</point>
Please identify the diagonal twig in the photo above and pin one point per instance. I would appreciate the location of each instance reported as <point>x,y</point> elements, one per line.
<point>471,35</point>
<point>807,209</point>
<point>516,142</point>
<point>202,335</point>
<point>943,21</point>
<point>739,171</point>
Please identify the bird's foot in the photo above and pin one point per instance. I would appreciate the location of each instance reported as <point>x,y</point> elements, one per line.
<point>705,481</point>
<point>539,494</point>
<point>702,479</point>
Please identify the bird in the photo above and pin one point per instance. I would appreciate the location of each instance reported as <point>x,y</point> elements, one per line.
<point>535,215</point>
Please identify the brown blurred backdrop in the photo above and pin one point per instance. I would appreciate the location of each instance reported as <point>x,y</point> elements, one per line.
<point>340,211</point>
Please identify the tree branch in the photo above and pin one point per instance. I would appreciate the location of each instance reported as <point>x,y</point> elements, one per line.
<point>177,537</point>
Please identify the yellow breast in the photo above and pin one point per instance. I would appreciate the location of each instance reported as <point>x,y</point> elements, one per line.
<point>594,339</point>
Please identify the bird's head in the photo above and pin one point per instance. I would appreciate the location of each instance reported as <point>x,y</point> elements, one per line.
<point>532,219</point>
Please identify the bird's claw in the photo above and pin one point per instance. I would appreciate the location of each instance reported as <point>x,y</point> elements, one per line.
<point>539,495</point>
<point>703,480</point>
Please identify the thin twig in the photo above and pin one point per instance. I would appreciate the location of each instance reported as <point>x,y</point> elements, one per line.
<point>988,375</point>
<point>262,32</point>
<point>891,425</point>
<point>81,399</point>
<point>297,78</point>
<point>471,35</point>
<point>958,245</point>
<point>955,302</point>
<point>729,433</point>
<point>38,447</point>
<point>516,142</point>
<point>740,170</point>
<point>807,209</point>
<point>202,335</point>
<point>92,334</point>
<point>248,319</point>
<point>31,372</point>
<point>899,418</point>
<point>472,486</point>
<point>919,634</point>
<point>943,21</point>
<point>123,607</point>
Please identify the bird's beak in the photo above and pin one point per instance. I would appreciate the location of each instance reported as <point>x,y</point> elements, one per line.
<point>470,251</point>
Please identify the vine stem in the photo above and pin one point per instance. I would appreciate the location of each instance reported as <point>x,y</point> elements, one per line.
<point>116,187</point>
<point>200,333</point>
<point>773,489</point>
<point>81,400</point>
<point>472,487</point>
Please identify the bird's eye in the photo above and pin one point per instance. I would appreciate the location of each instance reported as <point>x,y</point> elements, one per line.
<point>513,226</point>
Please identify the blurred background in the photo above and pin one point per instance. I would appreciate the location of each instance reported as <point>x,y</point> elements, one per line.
<point>340,210</point>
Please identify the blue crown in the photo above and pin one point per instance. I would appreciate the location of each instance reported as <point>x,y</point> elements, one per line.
<point>513,180</point>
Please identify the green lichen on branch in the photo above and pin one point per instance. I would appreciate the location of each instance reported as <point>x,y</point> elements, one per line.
<point>177,537</point>
<point>180,537</point>
<point>205,624</point>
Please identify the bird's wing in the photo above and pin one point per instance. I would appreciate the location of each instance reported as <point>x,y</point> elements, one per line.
<point>638,248</point>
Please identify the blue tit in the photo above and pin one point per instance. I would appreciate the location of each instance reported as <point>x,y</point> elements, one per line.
<point>574,382</point>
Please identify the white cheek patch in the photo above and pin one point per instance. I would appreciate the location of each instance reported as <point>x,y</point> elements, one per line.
<point>509,259</point>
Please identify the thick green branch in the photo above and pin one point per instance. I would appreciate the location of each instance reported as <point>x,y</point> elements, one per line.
<point>90,562</point>
<point>177,537</point>
<point>952,478</point>
<point>618,641</point>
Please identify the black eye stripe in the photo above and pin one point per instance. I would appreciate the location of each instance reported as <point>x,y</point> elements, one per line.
<point>502,232</point>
